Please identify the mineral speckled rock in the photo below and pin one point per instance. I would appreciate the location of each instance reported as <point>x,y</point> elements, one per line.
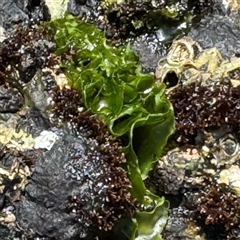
<point>11,100</point>
<point>149,48</point>
<point>72,190</point>
<point>21,12</point>
<point>85,9</point>
<point>24,53</point>
<point>220,32</point>
<point>180,227</point>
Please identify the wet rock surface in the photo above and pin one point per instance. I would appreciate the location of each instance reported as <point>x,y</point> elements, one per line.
<point>67,191</point>
<point>11,100</point>
<point>224,32</point>
<point>22,12</point>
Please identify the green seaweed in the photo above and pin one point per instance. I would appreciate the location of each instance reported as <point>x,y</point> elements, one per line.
<point>132,105</point>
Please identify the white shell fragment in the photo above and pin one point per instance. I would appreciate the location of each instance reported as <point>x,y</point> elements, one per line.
<point>2,35</point>
<point>45,140</point>
<point>57,8</point>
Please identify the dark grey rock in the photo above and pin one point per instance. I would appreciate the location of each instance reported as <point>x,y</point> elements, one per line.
<point>218,31</point>
<point>22,12</point>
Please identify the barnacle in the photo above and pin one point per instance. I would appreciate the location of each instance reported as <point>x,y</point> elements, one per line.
<point>15,170</point>
<point>190,64</point>
<point>78,185</point>
<point>225,149</point>
<point>204,180</point>
<point>15,167</point>
<point>209,210</point>
<point>149,26</point>
<point>7,217</point>
<point>234,4</point>
<point>56,8</point>
<point>181,54</point>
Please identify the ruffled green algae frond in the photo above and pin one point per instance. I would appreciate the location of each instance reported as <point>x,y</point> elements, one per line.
<point>129,102</point>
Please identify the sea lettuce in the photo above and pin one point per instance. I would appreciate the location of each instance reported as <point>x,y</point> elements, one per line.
<point>132,105</point>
